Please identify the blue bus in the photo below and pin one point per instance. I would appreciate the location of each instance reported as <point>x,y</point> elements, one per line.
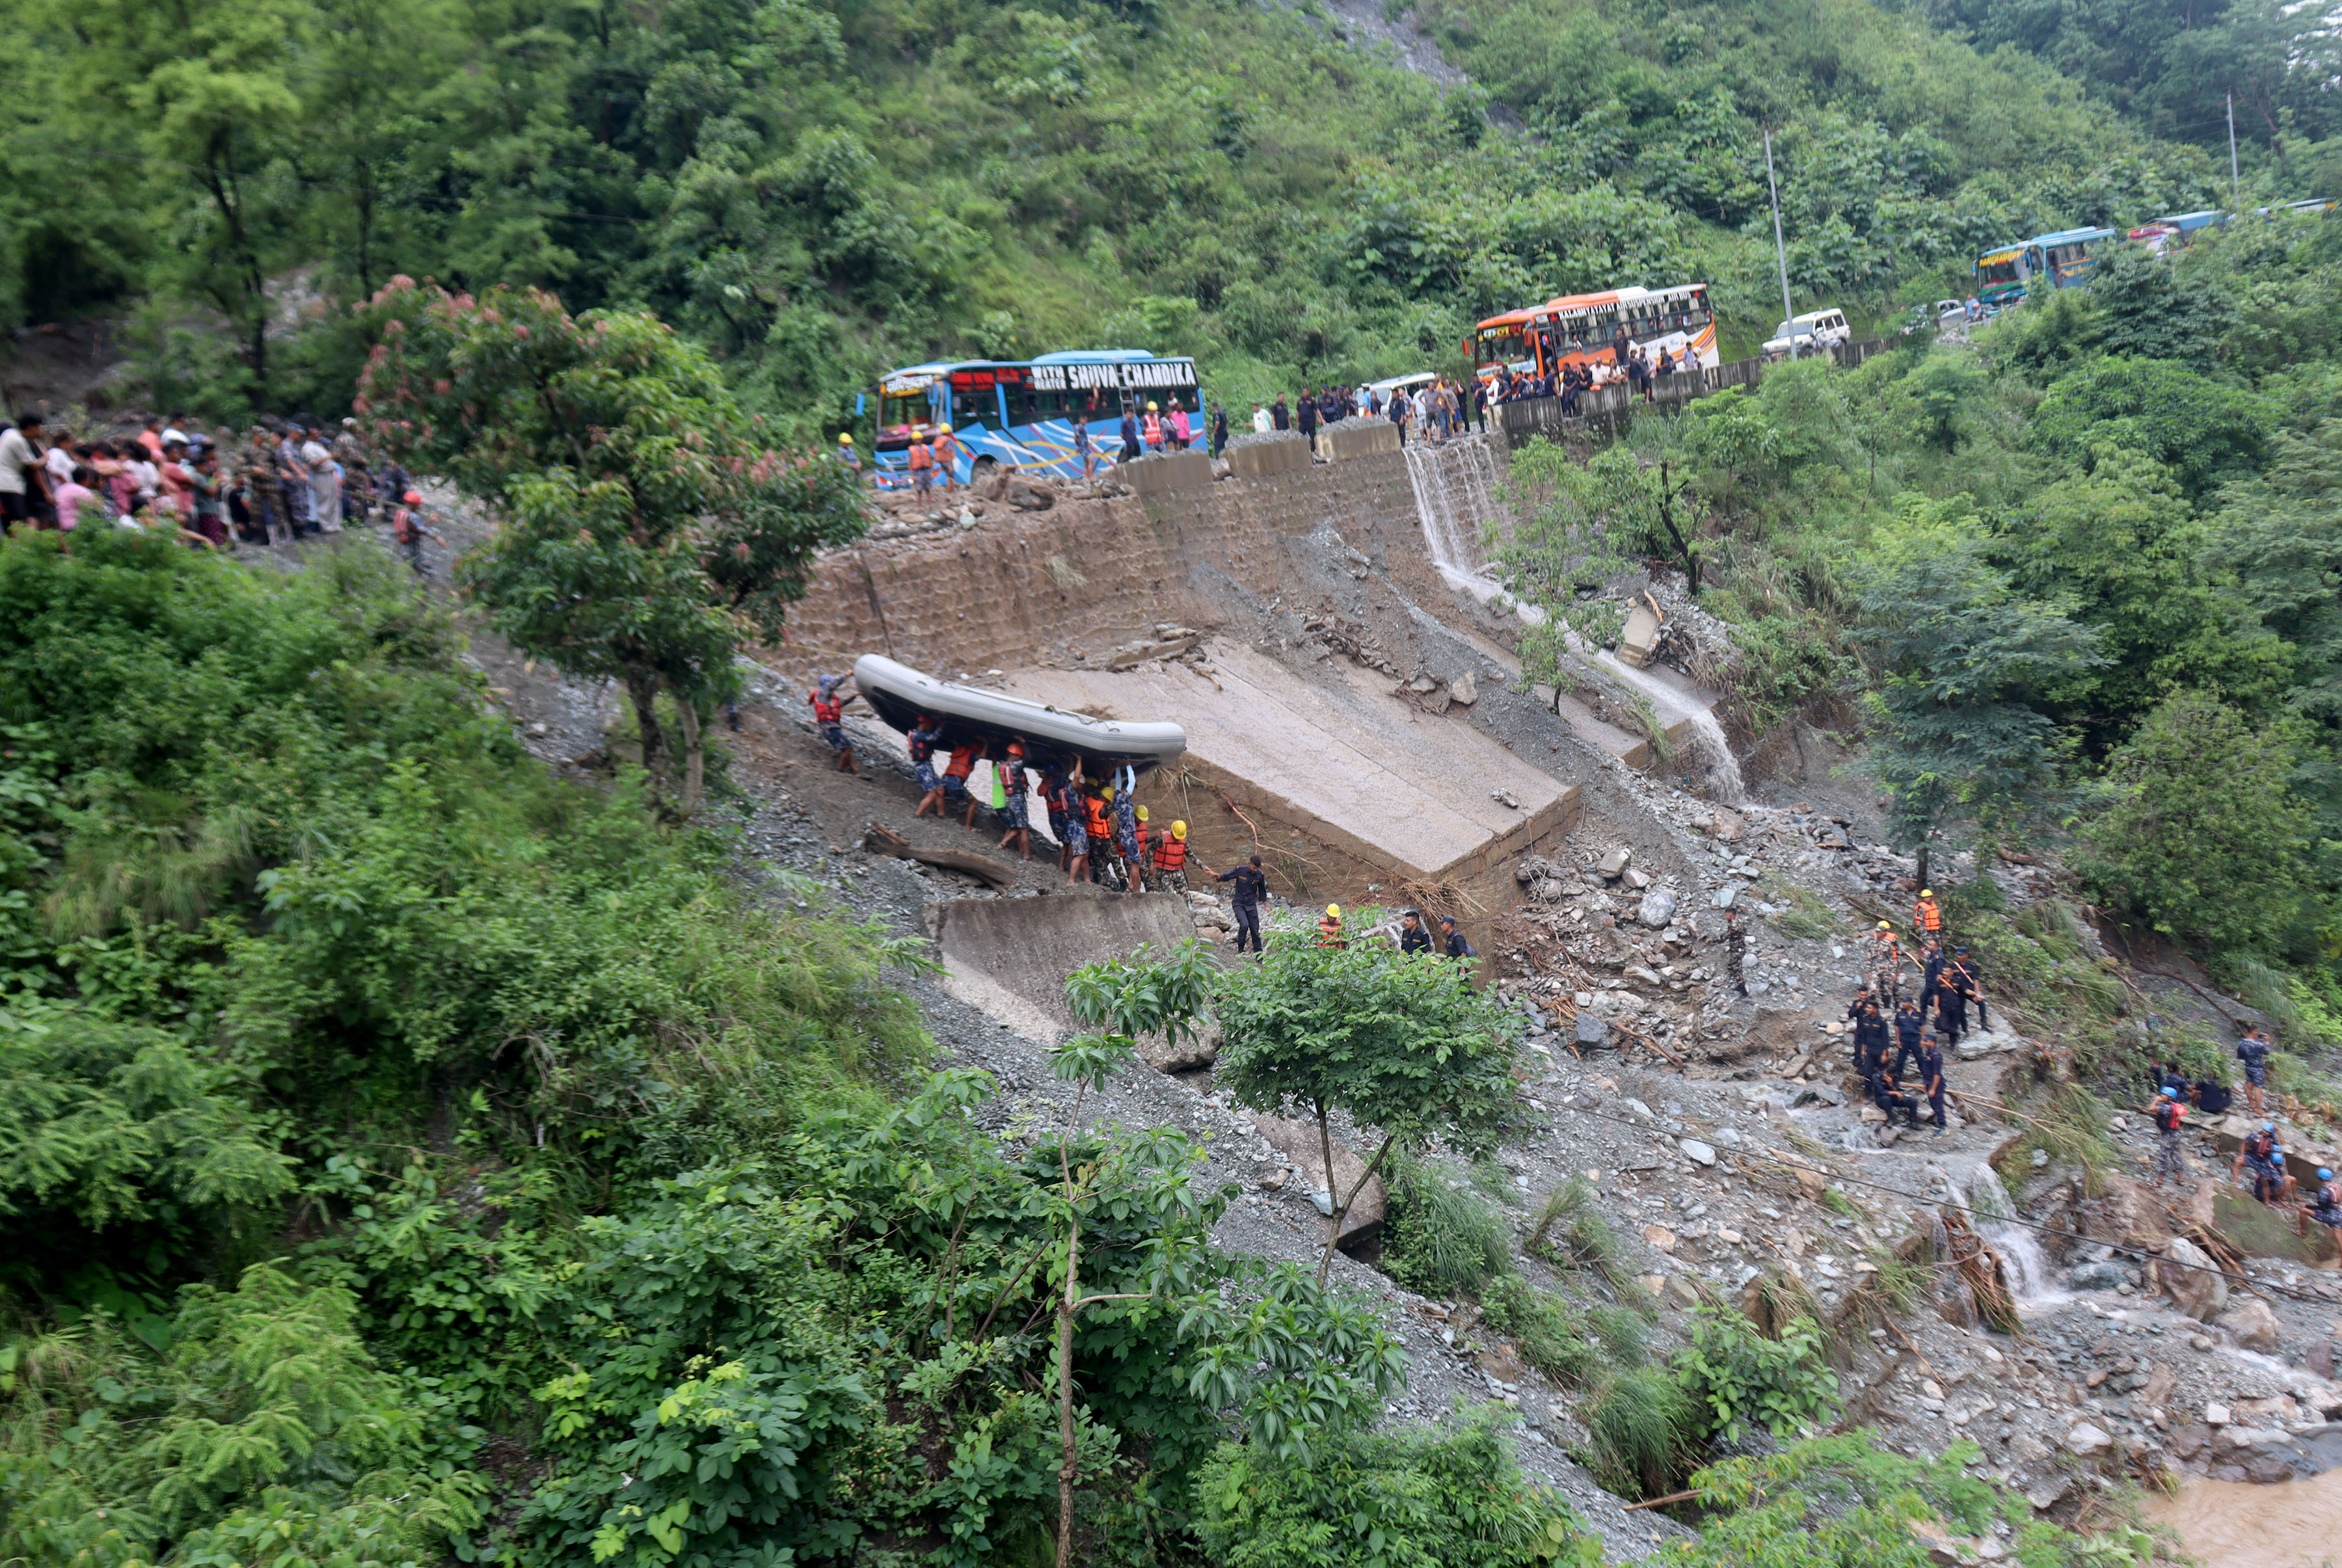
<point>2066,258</point>
<point>1021,413</point>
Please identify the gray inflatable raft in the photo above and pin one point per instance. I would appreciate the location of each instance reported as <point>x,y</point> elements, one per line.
<point>900,694</point>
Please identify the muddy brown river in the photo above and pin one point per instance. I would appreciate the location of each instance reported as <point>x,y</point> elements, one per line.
<point>2230,1524</point>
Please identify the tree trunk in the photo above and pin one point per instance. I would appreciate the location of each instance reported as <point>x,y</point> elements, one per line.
<point>642,690</point>
<point>1065,1395</point>
<point>1341,1208</point>
<point>694,752</point>
<point>1924,883</point>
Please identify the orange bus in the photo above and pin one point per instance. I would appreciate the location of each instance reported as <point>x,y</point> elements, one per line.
<point>1577,328</point>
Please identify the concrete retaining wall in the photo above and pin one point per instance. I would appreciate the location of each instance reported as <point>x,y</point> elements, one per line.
<point>1090,573</point>
<point>1349,439</point>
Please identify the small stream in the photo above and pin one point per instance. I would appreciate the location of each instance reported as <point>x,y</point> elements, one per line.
<point>1455,500</point>
<point>2032,1277</point>
<point>2234,1524</point>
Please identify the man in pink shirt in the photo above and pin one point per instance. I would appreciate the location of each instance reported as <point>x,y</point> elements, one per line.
<point>151,437</point>
<point>69,496</point>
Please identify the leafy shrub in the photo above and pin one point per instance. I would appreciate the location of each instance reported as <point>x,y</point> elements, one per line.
<point>1845,1502</point>
<point>265,1433</point>
<point>1737,1379</point>
<point>1446,1498</point>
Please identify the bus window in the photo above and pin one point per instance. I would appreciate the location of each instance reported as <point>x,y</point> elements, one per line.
<point>975,406</point>
<point>1503,345</point>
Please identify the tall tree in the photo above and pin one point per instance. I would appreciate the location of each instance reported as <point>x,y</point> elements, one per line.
<point>1963,663</point>
<point>647,531</point>
<point>1397,1042</point>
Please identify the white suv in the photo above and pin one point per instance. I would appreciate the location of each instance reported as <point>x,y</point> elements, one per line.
<point>1805,334</point>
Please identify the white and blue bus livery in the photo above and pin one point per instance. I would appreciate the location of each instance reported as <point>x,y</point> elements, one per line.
<point>1021,413</point>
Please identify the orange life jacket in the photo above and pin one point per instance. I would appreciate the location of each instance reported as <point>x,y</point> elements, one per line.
<point>922,455</point>
<point>826,709</point>
<point>963,762</point>
<point>1931,918</point>
<point>1170,853</point>
<point>1329,932</point>
<point>1094,819</point>
<point>1155,431</point>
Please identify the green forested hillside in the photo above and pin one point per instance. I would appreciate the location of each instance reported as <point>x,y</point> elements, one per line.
<point>820,190</point>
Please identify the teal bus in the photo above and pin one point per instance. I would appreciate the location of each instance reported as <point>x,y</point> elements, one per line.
<point>1020,413</point>
<point>2066,258</point>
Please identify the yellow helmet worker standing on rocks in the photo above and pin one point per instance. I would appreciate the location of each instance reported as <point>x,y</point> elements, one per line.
<point>1330,927</point>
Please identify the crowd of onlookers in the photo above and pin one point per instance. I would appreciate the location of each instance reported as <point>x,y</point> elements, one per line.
<point>284,480</point>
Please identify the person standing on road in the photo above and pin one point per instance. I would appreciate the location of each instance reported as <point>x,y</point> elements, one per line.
<point>1927,916</point>
<point>1885,964</point>
<point>1131,449</point>
<point>922,743</point>
<point>1169,859</point>
<point>1452,941</point>
<point>1219,428</point>
<point>1279,415</point>
<point>1261,423</point>
<point>1309,420</point>
<point>2170,1114</point>
<point>1182,433</point>
<point>829,717</point>
<point>1248,887</point>
<point>1412,937</point>
<point>1964,975</point>
<point>1909,1026</point>
<point>2253,1051</point>
<point>1870,1047</point>
<point>23,482</point>
<point>945,447</point>
<point>1013,808</point>
<point>1931,1081</point>
<point>1153,435</point>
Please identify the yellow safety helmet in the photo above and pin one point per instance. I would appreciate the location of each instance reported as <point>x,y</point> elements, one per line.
<point>1142,813</point>
<point>845,438</point>
<point>1884,926</point>
<point>1335,910</point>
<point>946,429</point>
<point>1109,793</point>
<point>1178,830</point>
<point>1927,892</point>
<point>1151,409</point>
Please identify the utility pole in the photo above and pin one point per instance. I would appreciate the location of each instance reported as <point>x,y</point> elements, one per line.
<point>1781,251</point>
<point>2235,195</point>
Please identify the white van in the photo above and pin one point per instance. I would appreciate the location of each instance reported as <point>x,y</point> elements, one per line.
<point>1804,334</point>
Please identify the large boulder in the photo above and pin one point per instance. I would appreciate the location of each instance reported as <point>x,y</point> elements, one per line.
<point>2252,1324</point>
<point>2191,1280</point>
<point>1362,1227</point>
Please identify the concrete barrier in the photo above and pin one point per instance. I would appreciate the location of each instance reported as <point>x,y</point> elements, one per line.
<point>1258,457</point>
<point>1160,472</point>
<point>1638,637</point>
<point>1011,956</point>
<point>1348,438</point>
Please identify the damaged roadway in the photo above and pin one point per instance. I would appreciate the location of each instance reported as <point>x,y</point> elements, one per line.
<point>1714,1119</point>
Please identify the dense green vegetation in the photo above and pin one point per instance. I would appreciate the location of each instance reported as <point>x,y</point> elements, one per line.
<point>819,190</point>
<point>2079,575</point>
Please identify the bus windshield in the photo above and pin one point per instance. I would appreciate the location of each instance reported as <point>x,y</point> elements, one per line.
<point>2002,266</point>
<point>901,410</point>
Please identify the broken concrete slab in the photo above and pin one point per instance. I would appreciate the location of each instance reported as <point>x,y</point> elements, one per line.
<point>1348,439</point>
<point>1008,958</point>
<point>1362,1227</point>
<point>1356,780</point>
<point>1258,457</point>
<point>1161,472</point>
<point>1614,864</point>
<point>1639,639</point>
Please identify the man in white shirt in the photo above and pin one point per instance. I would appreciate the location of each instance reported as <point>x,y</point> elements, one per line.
<point>1261,423</point>
<point>59,462</point>
<point>21,493</point>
